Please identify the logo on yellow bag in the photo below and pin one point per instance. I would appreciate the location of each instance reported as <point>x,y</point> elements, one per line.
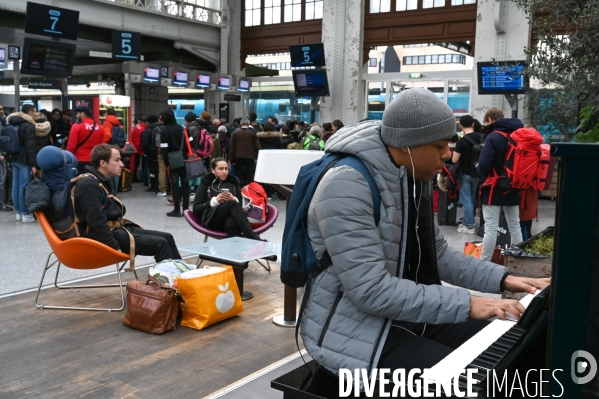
<point>225,300</point>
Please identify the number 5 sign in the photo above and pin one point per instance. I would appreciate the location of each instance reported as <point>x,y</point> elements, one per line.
<point>126,45</point>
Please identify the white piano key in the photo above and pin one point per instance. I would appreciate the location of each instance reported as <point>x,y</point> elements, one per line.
<point>460,358</point>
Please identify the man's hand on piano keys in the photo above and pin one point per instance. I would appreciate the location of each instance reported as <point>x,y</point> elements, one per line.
<point>484,308</point>
<point>525,284</point>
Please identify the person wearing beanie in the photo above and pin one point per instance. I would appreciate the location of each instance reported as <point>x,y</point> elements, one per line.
<point>381,304</point>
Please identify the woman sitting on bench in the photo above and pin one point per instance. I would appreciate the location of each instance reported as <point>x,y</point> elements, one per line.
<point>217,202</point>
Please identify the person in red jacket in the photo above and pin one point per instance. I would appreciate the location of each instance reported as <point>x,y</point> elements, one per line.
<point>84,137</point>
<point>135,139</point>
<point>109,123</point>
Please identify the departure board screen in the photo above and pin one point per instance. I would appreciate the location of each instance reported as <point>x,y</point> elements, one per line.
<point>46,58</point>
<point>506,77</point>
<point>310,82</point>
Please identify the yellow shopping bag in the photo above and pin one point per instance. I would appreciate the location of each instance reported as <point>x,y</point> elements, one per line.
<point>210,295</point>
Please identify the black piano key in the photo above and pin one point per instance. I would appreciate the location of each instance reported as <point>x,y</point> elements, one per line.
<point>484,363</point>
<point>501,346</point>
<point>488,357</point>
<point>495,350</point>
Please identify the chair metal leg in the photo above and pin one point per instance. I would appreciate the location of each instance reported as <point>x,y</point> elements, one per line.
<point>48,266</point>
<point>205,238</point>
<point>262,264</point>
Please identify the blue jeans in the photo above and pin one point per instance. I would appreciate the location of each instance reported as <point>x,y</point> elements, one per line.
<point>468,199</point>
<point>20,175</point>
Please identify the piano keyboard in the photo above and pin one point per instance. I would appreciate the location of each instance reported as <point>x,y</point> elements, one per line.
<point>483,351</point>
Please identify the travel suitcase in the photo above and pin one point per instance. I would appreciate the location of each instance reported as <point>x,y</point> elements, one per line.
<point>447,211</point>
<point>126,180</point>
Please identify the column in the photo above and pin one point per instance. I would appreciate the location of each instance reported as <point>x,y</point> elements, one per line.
<point>342,35</point>
<point>502,33</point>
<point>234,49</point>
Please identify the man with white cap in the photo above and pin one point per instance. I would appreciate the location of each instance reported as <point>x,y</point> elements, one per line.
<point>381,303</point>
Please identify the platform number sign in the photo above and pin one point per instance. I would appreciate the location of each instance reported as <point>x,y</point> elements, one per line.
<point>52,21</point>
<point>164,72</point>
<point>126,45</point>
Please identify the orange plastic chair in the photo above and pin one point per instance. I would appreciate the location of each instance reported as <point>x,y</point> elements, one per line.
<point>80,253</point>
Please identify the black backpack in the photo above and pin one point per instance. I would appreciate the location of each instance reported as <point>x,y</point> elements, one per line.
<point>477,148</point>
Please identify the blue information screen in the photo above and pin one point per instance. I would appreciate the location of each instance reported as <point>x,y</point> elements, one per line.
<point>502,78</point>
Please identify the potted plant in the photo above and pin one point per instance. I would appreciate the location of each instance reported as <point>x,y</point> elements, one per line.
<point>530,258</point>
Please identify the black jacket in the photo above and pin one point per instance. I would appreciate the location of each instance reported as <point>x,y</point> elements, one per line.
<point>94,209</point>
<point>270,140</point>
<point>492,158</point>
<point>210,187</point>
<point>172,134</point>
<point>27,137</point>
<point>148,142</point>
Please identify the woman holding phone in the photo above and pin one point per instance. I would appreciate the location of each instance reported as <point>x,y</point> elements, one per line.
<point>217,202</point>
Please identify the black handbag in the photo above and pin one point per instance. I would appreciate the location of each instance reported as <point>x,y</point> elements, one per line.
<point>175,158</point>
<point>37,195</point>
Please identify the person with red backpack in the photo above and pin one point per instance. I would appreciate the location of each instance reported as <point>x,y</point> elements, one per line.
<point>493,196</point>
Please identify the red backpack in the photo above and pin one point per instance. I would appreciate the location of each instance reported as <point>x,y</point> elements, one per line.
<point>254,204</point>
<point>522,167</point>
<point>205,145</point>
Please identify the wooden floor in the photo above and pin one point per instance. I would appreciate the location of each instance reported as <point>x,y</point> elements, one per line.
<point>72,354</point>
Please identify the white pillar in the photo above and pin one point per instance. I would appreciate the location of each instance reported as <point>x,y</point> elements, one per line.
<point>502,33</point>
<point>342,35</point>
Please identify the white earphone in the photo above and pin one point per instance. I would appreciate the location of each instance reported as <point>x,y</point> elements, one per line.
<point>417,206</point>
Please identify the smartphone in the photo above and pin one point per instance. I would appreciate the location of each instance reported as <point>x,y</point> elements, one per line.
<point>224,190</point>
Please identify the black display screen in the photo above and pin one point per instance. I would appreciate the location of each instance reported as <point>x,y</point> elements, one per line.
<point>180,78</point>
<point>244,85</point>
<point>46,20</point>
<point>46,58</point>
<point>203,81</point>
<point>151,74</point>
<point>307,55</point>
<point>505,77</point>
<point>311,83</point>
<point>224,83</point>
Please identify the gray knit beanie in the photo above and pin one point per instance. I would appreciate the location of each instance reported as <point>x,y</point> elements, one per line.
<point>416,117</point>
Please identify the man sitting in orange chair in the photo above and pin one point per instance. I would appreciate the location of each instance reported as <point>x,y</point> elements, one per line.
<point>100,213</point>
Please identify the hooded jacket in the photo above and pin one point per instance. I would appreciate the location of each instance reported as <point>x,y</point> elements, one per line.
<point>172,134</point>
<point>148,143</point>
<point>270,140</point>
<point>492,158</point>
<point>210,187</point>
<point>27,136</point>
<point>42,135</point>
<point>109,122</point>
<point>351,304</point>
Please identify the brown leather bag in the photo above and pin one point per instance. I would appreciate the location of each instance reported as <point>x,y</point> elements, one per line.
<point>151,307</point>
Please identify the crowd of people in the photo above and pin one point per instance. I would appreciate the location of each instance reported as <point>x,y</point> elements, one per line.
<point>229,152</point>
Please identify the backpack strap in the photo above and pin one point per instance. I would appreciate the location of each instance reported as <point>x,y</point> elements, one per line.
<point>326,261</point>
<point>470,140</point>
<point>87,138</point>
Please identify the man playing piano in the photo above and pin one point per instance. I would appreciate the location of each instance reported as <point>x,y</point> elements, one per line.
<point>381,304</point>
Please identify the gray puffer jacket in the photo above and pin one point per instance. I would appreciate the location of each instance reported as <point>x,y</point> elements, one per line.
<point>351,304</point>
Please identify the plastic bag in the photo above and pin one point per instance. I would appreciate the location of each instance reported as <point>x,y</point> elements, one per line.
<point>168,270</point>
<point>210,294</point>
